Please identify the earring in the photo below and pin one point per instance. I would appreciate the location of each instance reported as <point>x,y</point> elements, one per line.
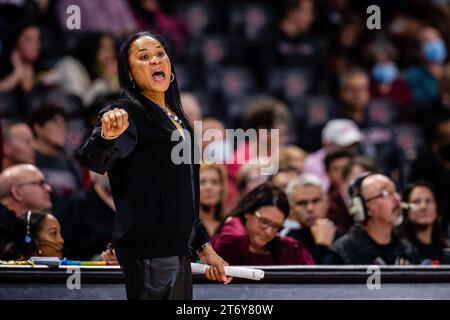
<point>172,77</point>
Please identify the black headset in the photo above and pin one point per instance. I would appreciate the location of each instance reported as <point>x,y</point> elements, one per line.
<point>358,209</point>
<point>28,237</point>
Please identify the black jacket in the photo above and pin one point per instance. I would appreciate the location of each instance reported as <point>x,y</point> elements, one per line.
<point>156,199</point>
<point>86,225</point>
<point>357,247</point>
<point>305,236</point>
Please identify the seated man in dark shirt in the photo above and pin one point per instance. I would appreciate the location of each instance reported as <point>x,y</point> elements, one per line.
<point>376,206</point>
<point>309,204</point>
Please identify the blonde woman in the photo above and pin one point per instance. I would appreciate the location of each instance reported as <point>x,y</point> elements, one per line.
<point>213,193</point>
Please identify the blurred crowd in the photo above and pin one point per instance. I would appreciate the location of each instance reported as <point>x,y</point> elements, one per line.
<point>345,99</point>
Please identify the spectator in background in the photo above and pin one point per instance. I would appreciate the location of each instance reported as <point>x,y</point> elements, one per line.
<point>343,50</point>
<point>248,236</point>
<point>250,177</point>
<point>49,125</point>
<point>293,156</point>
<point>18,70</point>
<point>354,95</point>
<point>423,78</point>
<point>265,113</point>
<point>376,205</point>
<point>111,16</point>
<point>284,175</point>
<point>213,192</point>
<point>376,125</point>
<point>422,228</point>
<point>22,188</point>
<point>87,220</point>
<point>335,162</point>
<point>309,204</point>
<point>191,107</point>
<point>444,91</point>
<point>434,165</point>
<point>92,71</point>
<point>386,81</point>
<point>215,146</point>
<point>337,134</point>
<point>294,43</point>
<point>339,200</point>
<point>24,54</point>
<point>403,29</point>
<point>150,16</point>
<point>35,234</point>
<point>18,145</point>
<point>282,179</point>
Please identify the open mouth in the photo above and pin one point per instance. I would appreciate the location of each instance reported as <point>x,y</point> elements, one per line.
<point>158,75</point>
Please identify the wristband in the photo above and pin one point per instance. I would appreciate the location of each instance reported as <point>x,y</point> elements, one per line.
<point>203,247</point>
<point>108,138</point>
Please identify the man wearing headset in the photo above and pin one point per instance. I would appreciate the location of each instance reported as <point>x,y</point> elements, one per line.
<point>22,188</point>
<point>376,208</point>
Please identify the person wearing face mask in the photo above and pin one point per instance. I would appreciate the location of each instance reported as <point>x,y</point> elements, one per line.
<point>422,228</point>
<point>423,79</point>
<point>386,82</point>
<point>35,234</point>
<point>433,165</point>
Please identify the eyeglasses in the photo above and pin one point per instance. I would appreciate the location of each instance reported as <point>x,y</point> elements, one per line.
<point>382,194</point>
<point>266,223</point>
<point>304,203</point>
<point>41,182</point>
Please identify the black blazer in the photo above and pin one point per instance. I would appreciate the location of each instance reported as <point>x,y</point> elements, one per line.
<point>156,199</point>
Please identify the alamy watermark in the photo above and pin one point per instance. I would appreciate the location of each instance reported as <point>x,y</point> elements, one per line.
<point>263,147</point>
<point>374,280</point>
<point>374,20</point>
<point>73,21</point>
<point>74,280</point>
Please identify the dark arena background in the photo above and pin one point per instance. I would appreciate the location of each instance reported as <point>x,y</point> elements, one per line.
<point>341,87</point>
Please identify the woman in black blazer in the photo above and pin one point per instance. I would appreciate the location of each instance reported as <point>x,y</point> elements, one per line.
<point>156,197</point>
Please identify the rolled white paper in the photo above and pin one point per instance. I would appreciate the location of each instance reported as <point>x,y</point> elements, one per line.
<point>239,272</point>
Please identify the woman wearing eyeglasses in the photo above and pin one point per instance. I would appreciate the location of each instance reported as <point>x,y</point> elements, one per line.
<point>422,229</point>
<point>249,235</point>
